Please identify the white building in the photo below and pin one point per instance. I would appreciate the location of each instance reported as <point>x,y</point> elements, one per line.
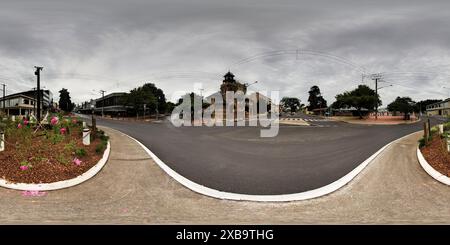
<point>440,108</point>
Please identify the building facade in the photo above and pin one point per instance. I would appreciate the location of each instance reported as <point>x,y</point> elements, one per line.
<point>18,105</point>
<point>25,103</point>
<point>110,105</point>
<point>440,108</point>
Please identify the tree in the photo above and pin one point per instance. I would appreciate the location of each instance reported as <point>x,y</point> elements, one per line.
<point>290,103</point>
<point>361,97</point>
<point>149,95</point>
<point>193,97</point>
<point>169,106</point>
<point>404,105</point>
<point>65,102</point>
<point>315,99</point>
<point>234,87</point>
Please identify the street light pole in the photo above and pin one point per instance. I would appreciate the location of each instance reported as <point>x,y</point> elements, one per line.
<point>157,112</point>
<point>103,101</point>
<point>448,88</point>
<point>145,107</point>
<point>246,85</point>
<point>38,75</point>
<point>4,95</point>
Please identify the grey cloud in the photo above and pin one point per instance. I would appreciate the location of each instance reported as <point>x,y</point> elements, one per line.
<point>117,45</point>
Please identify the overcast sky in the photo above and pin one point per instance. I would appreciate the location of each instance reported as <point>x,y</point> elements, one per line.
<point>118,45</point>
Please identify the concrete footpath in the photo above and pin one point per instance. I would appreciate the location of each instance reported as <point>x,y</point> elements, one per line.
<point>132,189</point>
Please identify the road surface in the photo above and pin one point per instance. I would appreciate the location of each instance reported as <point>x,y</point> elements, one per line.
<point>237,160</point>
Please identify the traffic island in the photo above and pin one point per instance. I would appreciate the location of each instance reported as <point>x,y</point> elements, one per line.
<point>373,121</point>
<point>51,155</point>
<point>434,153</point>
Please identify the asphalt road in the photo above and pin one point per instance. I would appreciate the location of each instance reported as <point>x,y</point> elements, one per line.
<point>236,159</point>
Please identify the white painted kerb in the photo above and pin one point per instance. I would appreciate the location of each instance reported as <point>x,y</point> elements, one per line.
<point>60,184</point>
<point>264,198</point>
<point>430,170</point>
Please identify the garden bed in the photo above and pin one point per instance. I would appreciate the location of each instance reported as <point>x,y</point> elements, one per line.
<point>435,153</point>
<point>51,154</point>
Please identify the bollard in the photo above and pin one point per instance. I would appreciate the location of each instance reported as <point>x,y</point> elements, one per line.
<point>86,136</point>
<point>425,132</point>
<point>2,141</point>
<point>84,125</point>
<point>448,142</point>
<point>429,127</point>
<point>13,118</point>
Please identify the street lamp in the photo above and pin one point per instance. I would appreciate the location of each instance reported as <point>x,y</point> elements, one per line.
<point>145,107</point>
<point>448,88</point>
<point>93,119</point>
<point>250,84</point>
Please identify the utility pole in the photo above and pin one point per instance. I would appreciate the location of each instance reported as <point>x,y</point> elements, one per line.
<point>145,108</point>
<point>157,112</point>
<point>103,101</point>
<point>376,77</point>
<point>38,75</point>
<point>4,95</point>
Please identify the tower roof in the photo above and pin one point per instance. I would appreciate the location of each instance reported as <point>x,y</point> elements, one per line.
<point>229,77</point>
<point>228,74</point>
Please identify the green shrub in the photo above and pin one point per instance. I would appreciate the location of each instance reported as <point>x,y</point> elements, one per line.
<point>62,159</point>
<point>422,141</point>
<point>445,135</point>
<point>80,152</point>
<point>434,130</point>
<point>100,148</point>
<point>70,147</point>
<point>104,138</point>
<point>447,126</point>
<point>56,138</point>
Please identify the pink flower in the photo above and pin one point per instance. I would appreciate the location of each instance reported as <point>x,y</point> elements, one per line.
<point>25,122</point>
<point>62,130</point>
<point>19,125</point>
<point>77,161</point>
<point>54,120</point>
<point>74,121</point>
<point>23,167</point>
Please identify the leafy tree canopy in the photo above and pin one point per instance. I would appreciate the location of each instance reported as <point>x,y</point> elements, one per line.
<point>359,98</point>
<point>315,99</point>
<point>65,102</point>
<point>149,95</point>
<point>291,103</point>
<point>402,104</point>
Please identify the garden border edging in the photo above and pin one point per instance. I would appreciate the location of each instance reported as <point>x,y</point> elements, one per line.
<point>430,170</point>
